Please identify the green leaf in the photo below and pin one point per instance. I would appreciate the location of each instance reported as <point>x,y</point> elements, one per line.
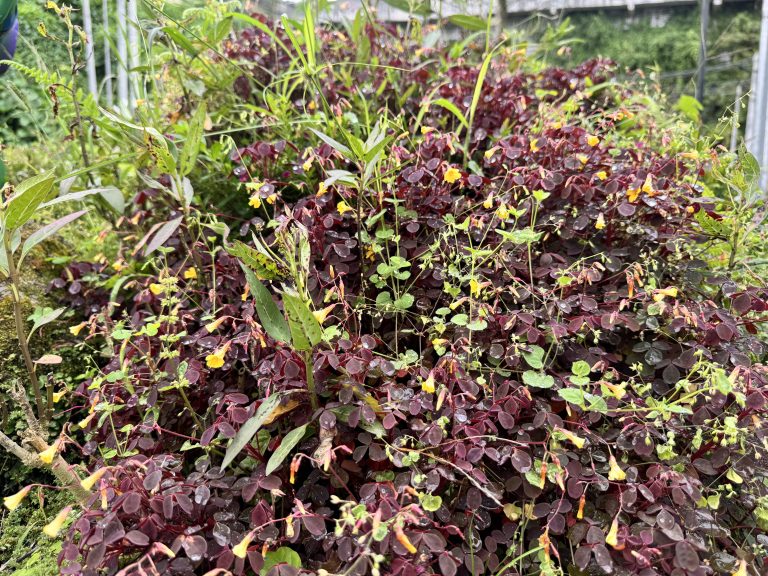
<point>572,395</point>
<point>690,107</point>
<point>289,443</point>
<point>180,40</point>
<point>338,146</point>
<point>404,302</point>
<point>282,555</point>
<point>580,368</point>
<point>43,316</point>
<point>47,231</point>
<point>535,358</point>
<point>306,332</point>
<point>270,317</point>
<point>595,403</point>
<point>192,144</point>
<point>453,109</point>
<point>418,7</point>
<point>29,195</point>
<point>471,23</point>
<point>524,236</point>
<point>538,379</point>
<point>477,325</point>
<point>262,265</point>
<point>431,503</point>
<point>249,429</point>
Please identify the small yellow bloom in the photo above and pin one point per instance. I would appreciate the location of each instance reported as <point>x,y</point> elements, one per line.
<point>255,201</point>
<point>322,189</point>
<point>90,482</point>
<point>190,273</point>
<point>343,207</point>
<point>53,528</point>
<point>742,570</point>
<point>118,266</point>
<point>502,211</point>
<point>600,224</point>
<point>648,185</point>
<point>615,473</point>
<point>593,140</point>
<point>451,175</point>
<point>49,453</point>
<point>13,502</point>
<point>321,315</point>
<point>659,295</point>
<point>57,396</point>
<point>156,288</point>
<point>602,175</point>
<point>85,421</point>
<point>312,106</point>
<point>488,202</point>
<point>216,360</point>
<point>75,330</point>
<point>241,550</point>
<point>577,441</point>
<point>426,129</point>
<point>583,158</point>
<point>612,538</point>
<point>307,165</point>
<point>271,198</point>
<point>490,152</point>
<point>474,287</point>
<point>633,194</point>
<point>428,385</point>
<point>211,326</point>
<point>618,390</point>
<point>535,145</point>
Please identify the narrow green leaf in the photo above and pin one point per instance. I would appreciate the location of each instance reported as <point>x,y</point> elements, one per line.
<point>269,315</point>
<point>47,231</point>
<point>471,23</point>
<point>306,332</point>
<point>249,429</point>
<point>262,27</point>
<point>28,197</point>
<point>338,146</point>
<point>191,147</point>
<point>453,109</point>
<point>289,443</point>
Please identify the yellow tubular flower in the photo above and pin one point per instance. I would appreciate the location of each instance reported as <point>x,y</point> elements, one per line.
<point>53,528</point>
<point>90,482</point>
<point>57,396</point>
<point>190,273</point>
<point>602,175</point>
<point>577,441</point>
<point>343,207</point>
<point>535,145</point>
<point>612,538</point>
<point>215,360</point>
<point>615,473</point>
<point>241,550</point>
<point>255,201</point>
<point>49,453</point>
<point>429,384</point>
<point>75,330</point>
<point>156,288</point>
<point>13,502</point>
<point>600,224</point>
<point>321,315</point>
<point>593,140</point>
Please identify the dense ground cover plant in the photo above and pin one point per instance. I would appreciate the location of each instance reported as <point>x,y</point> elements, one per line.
<point>470,317</point>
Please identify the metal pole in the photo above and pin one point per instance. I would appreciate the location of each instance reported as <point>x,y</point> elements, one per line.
<point>749,129</point>
<point>107,53</point>
<point>122,58</point>
<point>702,51</point>
<point>761,100</point>
<point>133,50</point>
<point>90,56</point>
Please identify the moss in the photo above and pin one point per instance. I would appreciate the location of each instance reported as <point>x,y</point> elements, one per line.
<point>24,549</point>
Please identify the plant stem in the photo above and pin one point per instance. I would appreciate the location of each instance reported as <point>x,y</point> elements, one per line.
<point>21,335</point>
<point>310,369</point>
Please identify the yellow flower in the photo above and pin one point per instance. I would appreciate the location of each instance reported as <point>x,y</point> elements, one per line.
<point>118,266</point>
<point>312,106</point>
<point>583,158</point>
<point>612,538</point>
<point>742,570</point>
<point>53,528</point>
<point>632,194</point>
<point>57,396</point>
<point>490,152</point>
<point>659,295</point>
<point>322,189</point>
<point>600,224</point>
<point>593,140</point>
<point>321,315</point>
<point>618,390</point>
<point>271,198</point>
<point>403,539</point>
<point>474,287</point>
<point>190,273</point>
<point>75,330</point>
<point>648,185</point>
<point>156,288</point>
<point>602,175</point>
<point>502,211</point>
<point>211,326</point>
<point>255,201</point>
<point>216,360</point>
<point>90,482</point>
<point>451,175</point>
<point>85,421</point>
<point>428,385</point>
<point>307,165</point>
<point>49,453</point>
<point>13,502</point>
<point>577,441</point>
<point>615,473</point>
<point>241,550</point>
<point>343,207</point>
<point>535,145</point>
